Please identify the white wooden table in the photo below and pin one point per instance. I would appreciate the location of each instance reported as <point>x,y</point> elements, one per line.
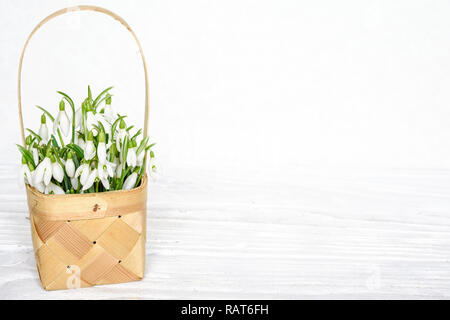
<point>297,233</point>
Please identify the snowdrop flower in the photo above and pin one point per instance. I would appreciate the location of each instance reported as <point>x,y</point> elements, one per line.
<point>52,188</point>
<point>91,120</point>
<point>62,120</point>
<point>131,155</point>
<point>44,171</point>
<point>83,172</point>
<point>109,113</point>
<point>90,180</point>
<point>80,141</point>
<point>40,186</point>
<point>121,134</point>
<point>89,148</point>
<point>74,182</point>
<point>140,158</point>
<point>25,173</point>
<point>101,148</point>
<point>70,166</point>
<point>57,170</point>
<point>35,153</point>
<point>43,130</point>
<point>103,175</point>
<point>130,181</point>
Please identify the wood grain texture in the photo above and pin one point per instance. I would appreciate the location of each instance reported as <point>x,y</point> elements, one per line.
<point>296,233</point>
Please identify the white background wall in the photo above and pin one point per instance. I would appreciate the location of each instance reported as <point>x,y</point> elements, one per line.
<point>259,84</point>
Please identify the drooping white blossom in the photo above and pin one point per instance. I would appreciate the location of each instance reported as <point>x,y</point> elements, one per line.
<point>43,130</point>
<point>101,148</point>
<point>89,148</point>
<point>130,181</point>
<point>57,170</point>
<point>25,173</point>
<point>74,183</point>
<point>62,120</point>
<point>121,134</point>
<point>90,180</point>
<point>83,172</point>
<point>131,155</point>
<point>70,165</point>
<point>43,171</point>
<point>52,188</point>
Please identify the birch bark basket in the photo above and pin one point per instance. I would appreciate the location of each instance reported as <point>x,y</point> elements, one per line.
<point>81,240</point>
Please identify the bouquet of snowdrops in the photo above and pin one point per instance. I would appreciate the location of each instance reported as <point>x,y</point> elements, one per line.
<point>89,149</point>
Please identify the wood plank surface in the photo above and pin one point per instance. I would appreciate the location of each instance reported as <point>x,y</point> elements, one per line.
<point>304,233</point>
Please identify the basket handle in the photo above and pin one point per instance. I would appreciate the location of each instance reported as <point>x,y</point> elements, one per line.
<point>82,8</point>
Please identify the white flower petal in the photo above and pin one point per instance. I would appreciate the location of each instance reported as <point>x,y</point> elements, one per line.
<point>57,171</point>
<point>101,152</point>
<point>130,181</point>
<point>90,180</point>
<point>74,182</point>
<point>35,156</point>
<point>84,174</point>
<point>131,157</point>
<point>43,132</point>
<point>105,183</point>
<point>89,150</point>
<point>70,168</point>
<point>41,169</point>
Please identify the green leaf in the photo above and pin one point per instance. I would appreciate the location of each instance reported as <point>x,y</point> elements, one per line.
<point>113,127</point>
<point>136,134</point>
<point>97,100</point>
<point>141,173</point>
<point>122,178</point>
<point>142,145</point>
<point>27,154</point>
<point>77,149</point>
<point>54,142</point>
<point>129,128</point>
<point>101,100</point>
<point>47,113</point>
<point>34,134</point>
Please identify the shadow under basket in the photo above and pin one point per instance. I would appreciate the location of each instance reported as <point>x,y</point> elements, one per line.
<point>82,240</point>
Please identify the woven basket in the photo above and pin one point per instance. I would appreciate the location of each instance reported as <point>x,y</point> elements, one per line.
<point>81,240</point>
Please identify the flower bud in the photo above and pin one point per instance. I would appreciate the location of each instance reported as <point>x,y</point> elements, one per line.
<point>28,140</point>
<point>101,137</point>
<point>122,124</point>
<point>62,105</point>
<point>113,150</point>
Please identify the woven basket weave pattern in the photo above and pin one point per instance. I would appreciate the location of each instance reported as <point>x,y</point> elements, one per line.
<point>101,250</point>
